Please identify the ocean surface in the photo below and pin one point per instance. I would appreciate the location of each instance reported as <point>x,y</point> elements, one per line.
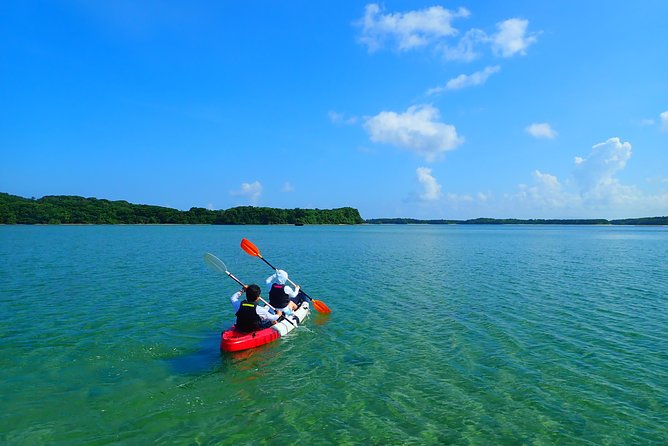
<point>465,335</point>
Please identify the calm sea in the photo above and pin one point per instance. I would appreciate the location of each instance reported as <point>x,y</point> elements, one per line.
<point>482,335</point>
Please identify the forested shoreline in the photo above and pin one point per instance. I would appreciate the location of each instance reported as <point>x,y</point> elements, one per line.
<point>655,221</point>
<point>71,209</point>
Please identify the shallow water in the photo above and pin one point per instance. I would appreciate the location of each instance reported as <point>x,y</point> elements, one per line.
<point>438,335</point>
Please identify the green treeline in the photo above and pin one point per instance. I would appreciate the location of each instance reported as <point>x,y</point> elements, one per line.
<point>69,209</point>
<point>515,221</point>
<point>66,209</point>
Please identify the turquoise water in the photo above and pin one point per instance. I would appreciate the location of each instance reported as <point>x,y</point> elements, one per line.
<point>483,335</point>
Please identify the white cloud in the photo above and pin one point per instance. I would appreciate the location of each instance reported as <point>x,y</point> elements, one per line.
<point>467,80</point>
<point>512,38</point>
<point>287,187</point>
<point>482,197</point>
<point>465,50</point>
<point>547,190</point>
<point>250,191</point>
<point>541,130</point>
<point>664,120</point>
<point>547,181</point>
<point>417,130</point>
<point>432,190</point>
<point>407,30</point>
<point>604,161</point>
<point>594,175</point>
<point>341,118</point>
<point>404,31</point>
<point>592,191</point>
<point>335,117</point>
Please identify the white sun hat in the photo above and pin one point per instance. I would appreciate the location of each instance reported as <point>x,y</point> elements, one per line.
<point>281,276</point>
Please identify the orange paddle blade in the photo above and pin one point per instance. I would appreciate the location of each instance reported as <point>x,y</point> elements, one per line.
<point>249,247</point>
<point>321,307</point>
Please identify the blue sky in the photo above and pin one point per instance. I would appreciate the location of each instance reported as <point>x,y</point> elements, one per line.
<point>550,109</point>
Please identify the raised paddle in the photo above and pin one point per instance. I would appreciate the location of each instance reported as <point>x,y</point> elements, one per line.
<point>217,265</point>
<point>251,249</point>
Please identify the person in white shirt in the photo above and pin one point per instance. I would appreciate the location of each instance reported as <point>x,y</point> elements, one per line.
<point>251,316</point>
<point>280,295</point>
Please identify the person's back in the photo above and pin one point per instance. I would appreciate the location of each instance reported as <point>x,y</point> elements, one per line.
<point>280,295</point>
<point>247,318</point>
<point>278,298</point>
<point>251,316</point>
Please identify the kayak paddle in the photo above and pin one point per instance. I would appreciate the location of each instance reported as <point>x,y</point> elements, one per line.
<point>217,265</point>
<point>251,249</point>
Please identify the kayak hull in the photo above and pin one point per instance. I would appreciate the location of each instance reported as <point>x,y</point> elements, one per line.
<point>232,340</point>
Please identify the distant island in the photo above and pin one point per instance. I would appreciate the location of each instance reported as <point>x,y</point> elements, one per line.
<point>71,209</point>
<point>514,221</point>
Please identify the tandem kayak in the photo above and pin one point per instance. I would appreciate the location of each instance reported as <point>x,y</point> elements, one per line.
<point>232,340</point>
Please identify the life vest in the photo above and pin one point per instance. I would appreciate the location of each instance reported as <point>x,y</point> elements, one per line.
<point>278,298</point>
<point>247,317</point>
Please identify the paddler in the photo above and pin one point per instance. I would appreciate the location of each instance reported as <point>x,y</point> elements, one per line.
<point>251,316</point>
<point>281,296</point>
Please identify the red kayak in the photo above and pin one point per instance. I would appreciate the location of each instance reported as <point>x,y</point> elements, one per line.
<point>232,340</point>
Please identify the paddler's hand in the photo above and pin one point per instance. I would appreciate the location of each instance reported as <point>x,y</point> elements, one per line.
<point>243,290</point>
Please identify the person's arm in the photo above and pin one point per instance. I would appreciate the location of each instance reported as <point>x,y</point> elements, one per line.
<point>290,292</point>
<point>235,299</point>
<point>265,315</point>
<point>270,281</point>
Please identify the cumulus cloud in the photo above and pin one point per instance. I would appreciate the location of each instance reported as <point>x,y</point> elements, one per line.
<point>547,190</point>
<point>591,191</point>
<point>512,38</point>
<point>467,80</point>
<point>595,174</point>
<point>604,161</point>
<point>407,30</point>
<point>664,120</point>
<point>417,130</point>
<point>250,191</point>
<point>432,190</point>
<point>541,130</point>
